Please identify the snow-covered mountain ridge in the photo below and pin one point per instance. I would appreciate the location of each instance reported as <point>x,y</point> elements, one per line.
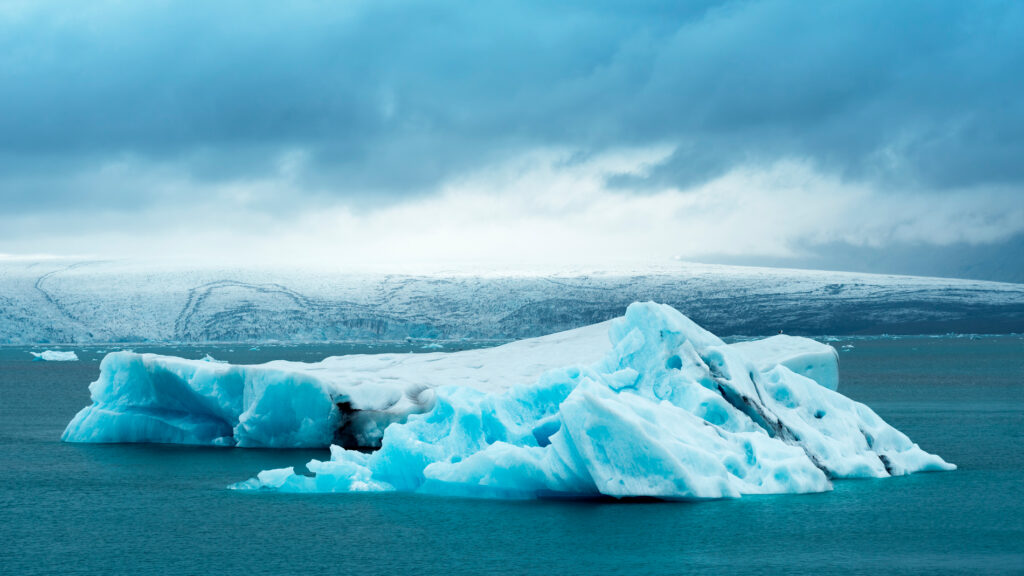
<point>60,301</point>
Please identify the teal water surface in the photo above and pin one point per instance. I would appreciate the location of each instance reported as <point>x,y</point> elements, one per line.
<point>148,509</point>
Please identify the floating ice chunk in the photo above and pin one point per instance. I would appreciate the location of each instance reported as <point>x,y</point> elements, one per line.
<point>209,358</point>
<point>150,398</point>
<point>55,356</point>
<point>817,361</point>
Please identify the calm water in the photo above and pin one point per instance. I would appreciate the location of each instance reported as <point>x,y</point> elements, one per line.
<point>163,509</point>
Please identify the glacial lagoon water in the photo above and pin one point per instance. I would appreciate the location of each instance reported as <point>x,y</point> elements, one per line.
<point>149,509</point>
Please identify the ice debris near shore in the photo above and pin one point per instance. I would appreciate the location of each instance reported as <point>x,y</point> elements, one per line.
<point>55,356</point>
<point>649,404</point>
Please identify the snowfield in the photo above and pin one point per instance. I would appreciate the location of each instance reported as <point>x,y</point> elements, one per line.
<point>646,405</point>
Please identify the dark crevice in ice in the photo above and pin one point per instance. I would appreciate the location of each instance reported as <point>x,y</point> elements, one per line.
<point>886,463</point>
<point>744,405</point>
<point>347,434</point>
<point>881,457</point>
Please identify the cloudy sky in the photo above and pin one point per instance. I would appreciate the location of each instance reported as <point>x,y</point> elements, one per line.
<point>878,136</point>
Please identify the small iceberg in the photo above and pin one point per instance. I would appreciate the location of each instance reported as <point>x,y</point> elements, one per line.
<point>646,405</point>
<point>55,356</point>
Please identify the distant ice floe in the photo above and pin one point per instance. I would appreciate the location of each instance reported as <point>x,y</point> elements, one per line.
<point>648,405</point>
<point>56,356</point>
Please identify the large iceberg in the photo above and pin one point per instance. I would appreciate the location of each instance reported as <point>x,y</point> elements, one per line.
<point>647,405</point>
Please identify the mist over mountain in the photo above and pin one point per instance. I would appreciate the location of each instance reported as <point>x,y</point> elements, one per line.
<point>1001,262</point>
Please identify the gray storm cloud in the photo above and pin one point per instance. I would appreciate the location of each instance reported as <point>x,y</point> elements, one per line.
<point>262,112</point>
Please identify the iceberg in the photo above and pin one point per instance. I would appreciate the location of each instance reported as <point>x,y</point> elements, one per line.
<point>55,356</point>
<point>646,405</point>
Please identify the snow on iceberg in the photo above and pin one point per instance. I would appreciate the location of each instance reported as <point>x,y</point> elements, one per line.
<point>55,356</point>
<point>649,404</point>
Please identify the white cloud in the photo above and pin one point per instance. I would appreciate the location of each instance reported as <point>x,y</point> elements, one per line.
<point>545,209</point>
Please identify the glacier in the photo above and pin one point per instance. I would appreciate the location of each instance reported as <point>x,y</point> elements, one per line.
<point>48,303</point>
<point>646,405</point>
